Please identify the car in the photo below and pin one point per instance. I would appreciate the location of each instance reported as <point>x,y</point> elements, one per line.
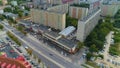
<point>26,47</point>
<point>18,49</point>
<point>51,54</point>
<point>7,38</point>
<point>33,63</point>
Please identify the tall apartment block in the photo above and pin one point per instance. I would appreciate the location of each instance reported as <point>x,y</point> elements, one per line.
<point>47,18</point>
<point>78,12</point>
<point>59,8</point>
<point>110,8</point>
<point>55,16</point>
<point>86,25</point>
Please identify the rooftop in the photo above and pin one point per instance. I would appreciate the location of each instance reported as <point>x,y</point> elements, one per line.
<point>67,42</point>
<point>84,5</point>
<point>65,32</point>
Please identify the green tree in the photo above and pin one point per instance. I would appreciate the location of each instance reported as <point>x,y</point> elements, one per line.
<point>1,27</point>
<point>20,14</point>
<point>29,51</point>
<point>88,56</point>
<point>7,9</point>
<point>14,38</point>
<point>39,60</point>
<point>93,48</point>
<point>80,45</point>
<point>2,17</point>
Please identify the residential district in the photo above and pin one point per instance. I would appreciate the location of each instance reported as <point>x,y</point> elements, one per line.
<point>59,33</point>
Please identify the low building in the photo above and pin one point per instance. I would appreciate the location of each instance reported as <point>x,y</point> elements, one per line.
<point>13,16</point>
<point>1,11</point>
<point>86,25</point>
<point>14,3</point>
<point>67,31</point>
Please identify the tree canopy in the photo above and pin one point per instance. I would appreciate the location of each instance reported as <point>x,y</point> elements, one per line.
<point>97,37</point>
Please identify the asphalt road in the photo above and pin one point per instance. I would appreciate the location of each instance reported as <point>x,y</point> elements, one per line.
<point>41,52</point>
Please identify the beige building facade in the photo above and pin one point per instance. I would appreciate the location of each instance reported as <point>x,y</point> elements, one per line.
<point>48,18</point>
<point>86,25</point>
<point>78,12</point>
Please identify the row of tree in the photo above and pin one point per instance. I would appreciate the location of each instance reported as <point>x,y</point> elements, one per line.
<point>14,38</point>
<point>21,29</point>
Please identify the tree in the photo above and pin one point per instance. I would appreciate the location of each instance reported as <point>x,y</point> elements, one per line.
<point>2,17</point>
<point>20,14</point>
<point>74,22</point>
<point>1,27</point>
<point>29,51</point>
<point>14,38</point>
<point>39,60</point>
<point>102,56</point>
<point>99,44</point>
<point>27,8</point>
<point>88,56</point>
<point>79,45</point>
<point>7,9</point>
<point>93,48</point>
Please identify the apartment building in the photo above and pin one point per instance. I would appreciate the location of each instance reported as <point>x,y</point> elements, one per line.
<point>78,12</point>
<point>83,8</point>
<point>110,8</point>
<point>86,25</point>
<point>59,8</point>
<point>49,18</point>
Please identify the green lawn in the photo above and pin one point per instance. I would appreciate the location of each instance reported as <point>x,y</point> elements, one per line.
<point>115,49</point>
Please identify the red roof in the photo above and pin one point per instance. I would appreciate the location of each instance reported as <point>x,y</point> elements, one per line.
<point>14,66</point>
<point>3,65</point>
<point>9,66</point>
<point>21,58</point>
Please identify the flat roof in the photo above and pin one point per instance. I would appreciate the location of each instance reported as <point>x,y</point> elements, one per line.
<point>45,29</point>
<point>67,42</point>
<point>67,31</point>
